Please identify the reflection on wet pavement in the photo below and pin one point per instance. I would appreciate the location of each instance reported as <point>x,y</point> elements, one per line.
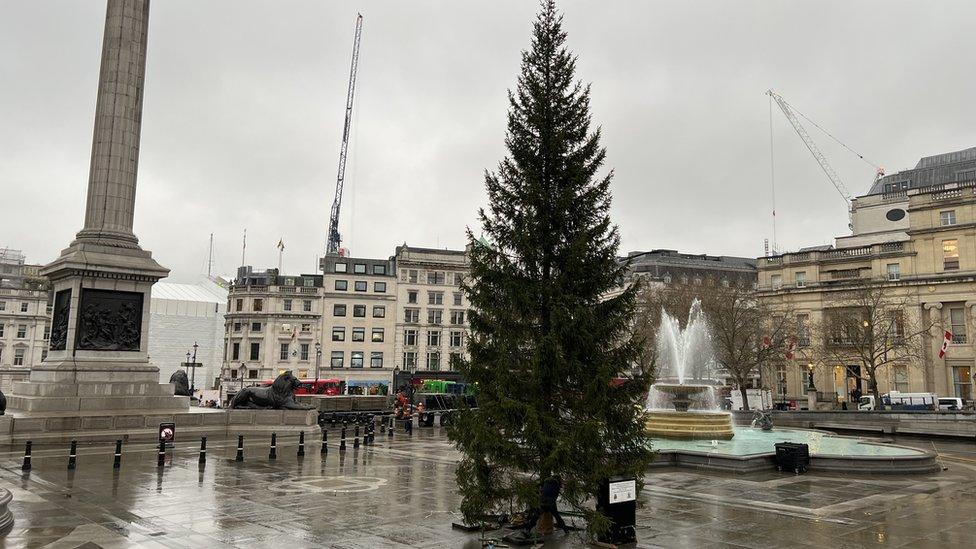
<point>401,493</point>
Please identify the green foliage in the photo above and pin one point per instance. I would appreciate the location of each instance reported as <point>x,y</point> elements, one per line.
<point>550,324</point>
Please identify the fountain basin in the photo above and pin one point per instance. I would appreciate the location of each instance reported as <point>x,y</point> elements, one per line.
<point>682,393</point>
<point>694,425</point>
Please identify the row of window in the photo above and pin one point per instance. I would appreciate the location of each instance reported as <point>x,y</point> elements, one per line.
<point>258,326</point>
<point>433,298</point>
<point>434,316</point>
<point>433,361</point>
<point>358,311</point>
<point>360,268</point>
<point>433,277</point>
<point>358,334</point>
<point>19,356</point>
<point>22,331</point>
<point>338,358</point>
<point>456,338</point>
<point>360,286</point>
<point>24,306</point>
<point>285,352</point>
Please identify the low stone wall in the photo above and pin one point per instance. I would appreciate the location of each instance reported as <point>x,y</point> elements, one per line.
<point>101,426</point>
<point>891,422</point>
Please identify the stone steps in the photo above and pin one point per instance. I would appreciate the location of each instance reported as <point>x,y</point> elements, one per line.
<point>94,403</point>
<point>689,425</point>
<point>102,389</point>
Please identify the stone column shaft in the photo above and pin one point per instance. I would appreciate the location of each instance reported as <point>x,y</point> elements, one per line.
<point>118,121</point>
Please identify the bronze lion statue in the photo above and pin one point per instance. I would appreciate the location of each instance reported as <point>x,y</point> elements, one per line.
<point>181,383</point>
<point>279,396</point>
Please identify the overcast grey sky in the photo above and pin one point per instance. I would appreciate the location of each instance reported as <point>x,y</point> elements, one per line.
<point>245,99</point>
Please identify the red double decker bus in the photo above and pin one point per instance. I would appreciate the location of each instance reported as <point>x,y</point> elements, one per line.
<point>328,387</point>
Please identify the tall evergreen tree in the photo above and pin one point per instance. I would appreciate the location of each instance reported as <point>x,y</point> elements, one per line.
<point>549,326</point>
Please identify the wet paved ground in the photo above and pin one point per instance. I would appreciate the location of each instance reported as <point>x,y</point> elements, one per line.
<point>401,494</point>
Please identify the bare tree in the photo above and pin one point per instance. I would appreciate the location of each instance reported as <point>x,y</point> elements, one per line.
<point>874,325</point>
<point>652,298</point>
<point>749,336</point>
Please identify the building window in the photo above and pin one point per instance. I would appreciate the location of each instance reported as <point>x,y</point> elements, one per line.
<point>24,306</point>
<point>960,381</point>
<point>21,331</point>
<point>359,268</point>
<point>360,285</point>
<point>338,333</point>
<point>776,281</point>
<point>338,310</point>
<point>376,359</point>
<point>306,328</point>
<point>950,254</point>
<point>457,299</point>
<point>18,357</point>
<point>434,316</point>
<point>379,269</point>
<point>411,316</point>
<point>412,296</point>
<point>43,355</point>
<point>233,374</point>
<point>435,298</point>
<point>252,374</point>
<point>457,338</point>
<point>237,326</point>
<point>236,352</point>
<point>410,338</point>
<point>957,321</point>
<point>303,352</point>
<point>452,360</point>
<point>258,304</point>
<point>899,378</point>
<point>356,359</point>
<point>359,311</point>
<point>255,326</point>
<point>341,285</point>
<point>458,279</point>
<point>308,282</point>
<point>377,335</point>
<point>337,359</point>
<point>379,287</point>
<point>410,360</point>
<point>302,374</point>
<point>307,305</point>
<point>894,271</point>
<point>802,330</point>
<point>239,305</point>
<point>359,334</point>
<point>435,277</point>
<point>379,311</point>
<point>433,338</point>
<point>433,361</point>
<point>412,276</point>
<point>1,331</point>
<point>47,333</point>
<point>340,267</point>
<point>800,277</point>
<point>286,304</point>
<point>457,317</point>
<point>283,355</point>
<point>3,305</point>
<point>255,351</point>
<point>947,217</point>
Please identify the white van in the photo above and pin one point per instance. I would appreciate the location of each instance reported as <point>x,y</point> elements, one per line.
<point>901,401</point>
<point>950,403</point>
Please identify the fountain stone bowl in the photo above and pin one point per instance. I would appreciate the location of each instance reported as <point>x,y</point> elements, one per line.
<point>681,423</point>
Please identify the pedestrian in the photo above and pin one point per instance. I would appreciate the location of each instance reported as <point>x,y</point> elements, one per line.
<point>548,495</point>
<point>856,395</point>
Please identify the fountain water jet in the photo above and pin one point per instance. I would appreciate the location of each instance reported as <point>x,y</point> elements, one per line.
<point>683,403</point>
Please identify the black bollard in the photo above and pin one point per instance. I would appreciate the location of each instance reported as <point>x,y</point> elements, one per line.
<point>301,443</point>
<point>389,432</point>
<point>203,450</point>
<point>382,425</point>
<point>118,455</point>
<point>240,448</point>
<point>273,454</point>
<point>408,425</point>
<point>355,440</point>
<point>161,455</point>
<point>27,457</point>
<point>325,442</point>
<point>73,454</point>
<point>342,439</point>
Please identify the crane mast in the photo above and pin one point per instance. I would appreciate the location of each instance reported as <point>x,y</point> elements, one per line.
<point>334,237</point>
<point>815,151</point>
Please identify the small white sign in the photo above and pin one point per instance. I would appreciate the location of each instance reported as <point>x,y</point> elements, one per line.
<point>623,491</point>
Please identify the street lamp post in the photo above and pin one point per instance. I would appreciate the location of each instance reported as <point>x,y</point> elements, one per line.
<point>193,374</point>
<point>318,361</point>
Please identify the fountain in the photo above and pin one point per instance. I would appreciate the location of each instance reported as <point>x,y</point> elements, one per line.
<point>683,404</point>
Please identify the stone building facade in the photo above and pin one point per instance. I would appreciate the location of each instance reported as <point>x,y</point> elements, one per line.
<point>919,243</point>
<point>273,323</point>
<point>432,317</point>
<point>24,309</point>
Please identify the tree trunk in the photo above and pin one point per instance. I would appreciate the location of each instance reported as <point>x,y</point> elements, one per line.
<point>745,396</point>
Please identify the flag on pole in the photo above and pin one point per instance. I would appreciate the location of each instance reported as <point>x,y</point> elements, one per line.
<point>945,344</point>
<point>791,349</point>
<point>281,245</point>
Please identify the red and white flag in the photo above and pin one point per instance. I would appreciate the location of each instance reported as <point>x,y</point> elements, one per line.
<point>945,344</point>
<point>791,349</point>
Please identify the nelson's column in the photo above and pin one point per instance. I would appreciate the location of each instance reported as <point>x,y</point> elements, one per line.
<point>102,281</point>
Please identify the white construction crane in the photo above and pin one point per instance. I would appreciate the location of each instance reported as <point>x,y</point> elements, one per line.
<point>791,115</point>
<point>334,237</point>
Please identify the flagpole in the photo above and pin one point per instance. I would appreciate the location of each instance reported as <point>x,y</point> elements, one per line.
<point>244,247</point>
